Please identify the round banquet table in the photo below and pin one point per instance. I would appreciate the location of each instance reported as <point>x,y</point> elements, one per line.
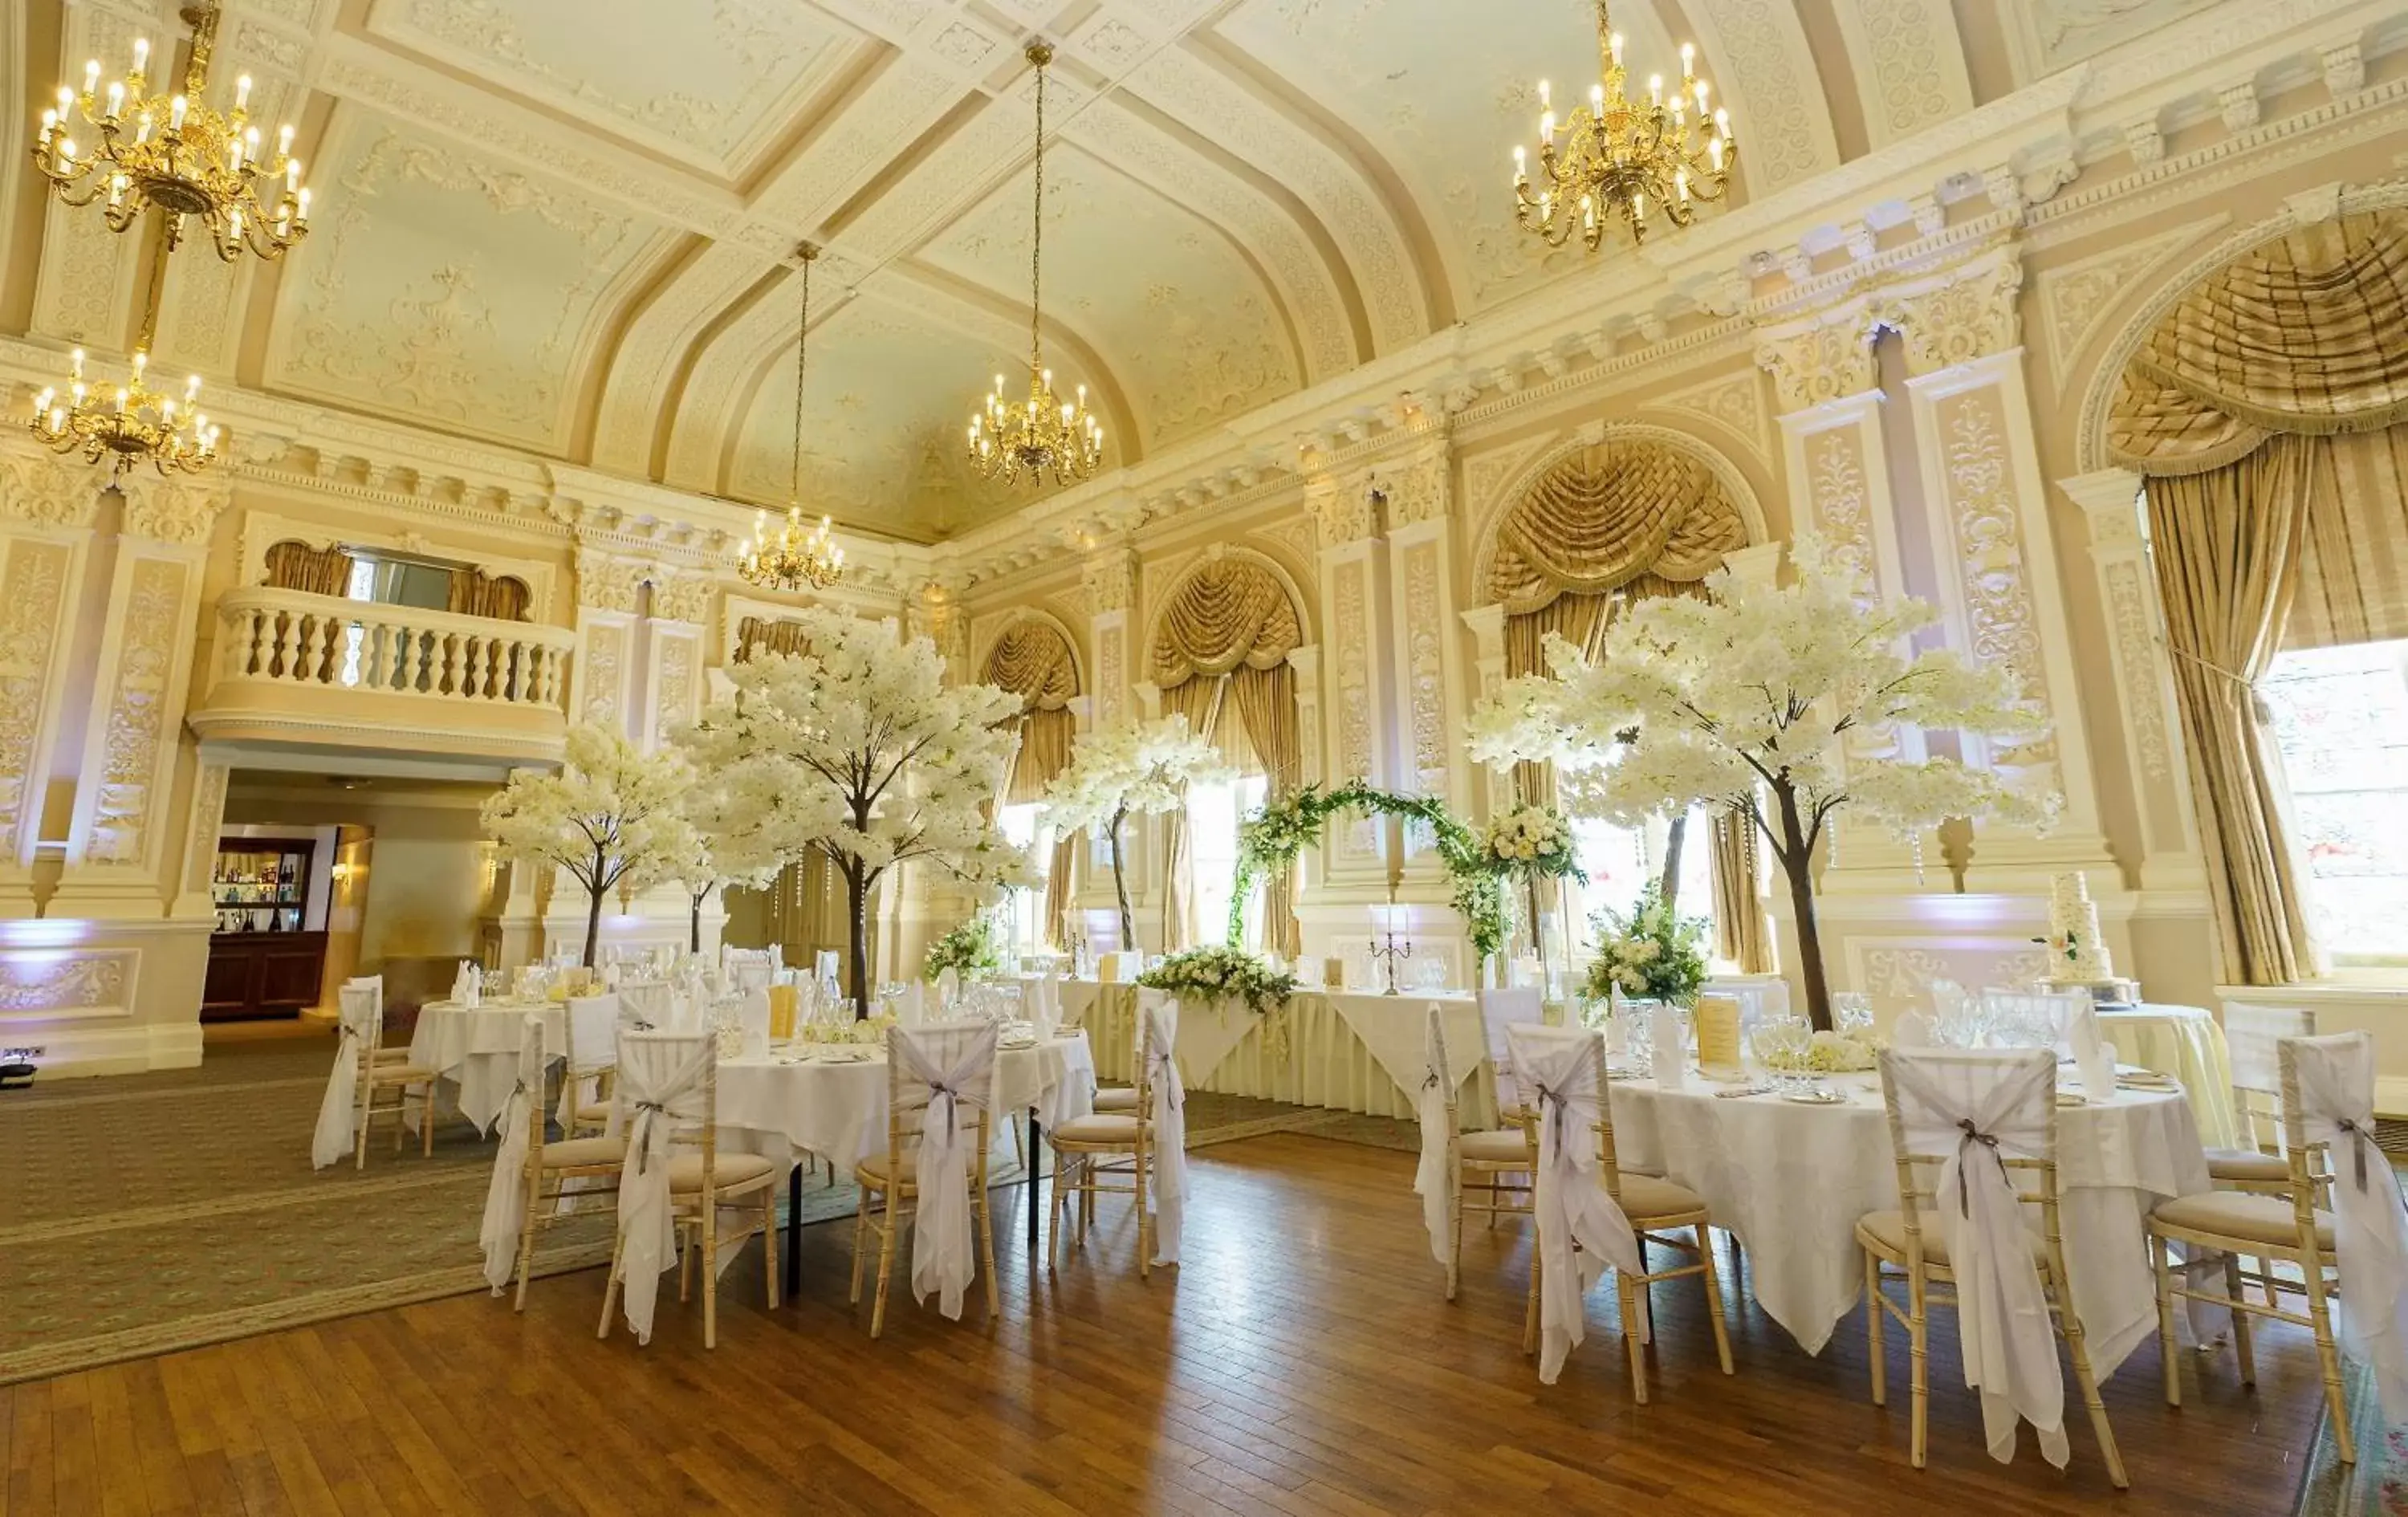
<point>1791,1180</point>
<point>475,1050</point>
<point>2183,1041</point>
<point>800,1097</point>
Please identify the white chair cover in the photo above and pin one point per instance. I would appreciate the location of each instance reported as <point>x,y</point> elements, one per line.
<point>1557,1068</point>
<point>1981,1107</point>
<point>591,1022</point>
<point>506,1194</point>
<point>1434,1179</point>
<point>1169,1194</point>
<point>747,968</point>
<point>1498,1011</point>
<point>949,1068</point>
<point>2040,1018</point>
<point>2335,1075</point>
<point>660,1077</point>
<point>646,1005</point>
<point>338,1112</point>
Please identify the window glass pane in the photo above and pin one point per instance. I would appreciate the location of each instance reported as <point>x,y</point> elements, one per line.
<point>1213,815</point>
<point>2341,720</point>
<point>1018,826</point>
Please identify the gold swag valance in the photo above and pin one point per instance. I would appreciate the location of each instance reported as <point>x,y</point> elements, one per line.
<point>762,635</point>
<point>1034,662</point>
<point>2300,336</point>
<point>1229,612</point>
<point>1608,516</point>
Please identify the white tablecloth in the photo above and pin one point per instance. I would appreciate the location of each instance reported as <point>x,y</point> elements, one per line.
<point>838,1111</point>
<point>475,1050</point>
<point>2183,1041</point>
<point>1346,1051</point>
<point>1791,1180</point>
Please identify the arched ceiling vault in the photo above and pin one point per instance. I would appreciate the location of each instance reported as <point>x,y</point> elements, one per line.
<point>569,228</point>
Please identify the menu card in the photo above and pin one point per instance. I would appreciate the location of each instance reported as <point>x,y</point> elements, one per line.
<point>1717,1022</point>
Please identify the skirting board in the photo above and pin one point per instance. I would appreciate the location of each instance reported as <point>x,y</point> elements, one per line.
<point>117,1051</point>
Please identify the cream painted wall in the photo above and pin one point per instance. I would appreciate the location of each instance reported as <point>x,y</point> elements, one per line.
<point>422,891</point>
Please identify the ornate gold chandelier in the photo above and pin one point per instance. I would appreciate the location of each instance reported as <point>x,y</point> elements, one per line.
<point>1043,433</point>
<point>795,559</point>
<point>177,154</point>
<point>130,422</point>
<point>1619,157</point>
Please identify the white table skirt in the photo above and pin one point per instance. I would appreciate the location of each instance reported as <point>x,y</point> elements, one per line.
<point>475,1050</point>
<point>1345,1051</point>
<point>838,1111</point>
<point>1791,1180</point>
<point>2183,1041</point>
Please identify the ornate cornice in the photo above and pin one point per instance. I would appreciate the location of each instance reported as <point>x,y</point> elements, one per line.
<point>181,511</point>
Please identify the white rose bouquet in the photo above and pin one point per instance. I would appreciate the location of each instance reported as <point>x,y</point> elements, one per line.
<point>1650,952</point>
<point>1531,842</point>
<point>1221,973</point>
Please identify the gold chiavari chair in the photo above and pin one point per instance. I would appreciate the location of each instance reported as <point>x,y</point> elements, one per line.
<point>1903,1244</point>
<point>2259,1166</point>
<point>1093,1155</point>
<point>889,1182</point>
<point>560,1177</point>
<point>1662,1211</point>
<point>363,1012</point>
<point>2286,1227</point>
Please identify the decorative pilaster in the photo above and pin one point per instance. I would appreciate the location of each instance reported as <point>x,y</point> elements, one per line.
<point>1991,541</point>
<point>1419,498</point>
<point>46,510</point>
<point>673,656</point>
<point>2144,698</point>
<point>1486,625</point>
<point>1356,743</point>
<point>123,841</point>
<point>1109,576</point>
<point>938,617</point>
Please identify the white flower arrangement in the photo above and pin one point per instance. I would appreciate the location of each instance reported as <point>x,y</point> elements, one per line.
<point>1221,973</point>
<point>870,1030</point>
<point>1792,1050</point>
<point>1529,840</point>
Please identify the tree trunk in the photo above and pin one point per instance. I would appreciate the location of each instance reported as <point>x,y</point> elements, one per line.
<point>1120,885</point>
<point>593,926</point>
<point>1797,863</point>
<point>856,900</point>
<point>1674,835</point>
<point>694,926</point>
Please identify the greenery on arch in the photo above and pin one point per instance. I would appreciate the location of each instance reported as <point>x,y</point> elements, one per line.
<point>1270,839</point>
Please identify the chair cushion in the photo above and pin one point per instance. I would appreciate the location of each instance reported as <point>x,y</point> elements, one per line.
<point>1645,1196</point>
<point>734,1171</point>
<point>2249,1165</point>
<point>2237,1214</point>
<point>1885,1232</point>
<point>1104,1127</point>
<point>1511,1146</point>
<point>870,1173</point>
<point>579,1152</point>
<point>1116,1099</point>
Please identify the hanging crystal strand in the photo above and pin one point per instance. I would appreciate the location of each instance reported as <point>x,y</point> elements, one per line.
<point>1915,845</point>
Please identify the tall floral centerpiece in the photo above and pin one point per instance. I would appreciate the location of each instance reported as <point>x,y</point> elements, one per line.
<point>1650,951</point>
<point>609,819</point>
<point>1532,844</point>
<point>856,748</point>
<point>1131,769</point>
<point>1749,699</point>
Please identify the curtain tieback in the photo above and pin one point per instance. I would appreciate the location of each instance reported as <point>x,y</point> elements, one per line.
<point>2257,706</point>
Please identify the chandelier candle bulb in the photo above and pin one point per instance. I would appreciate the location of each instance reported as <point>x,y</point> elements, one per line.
<point>91,71</point>
<point>141,57</point>
<point>242,93</point>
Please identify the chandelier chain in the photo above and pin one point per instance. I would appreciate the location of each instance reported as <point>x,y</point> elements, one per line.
<point>1037,234</point>
<point>802,361</point>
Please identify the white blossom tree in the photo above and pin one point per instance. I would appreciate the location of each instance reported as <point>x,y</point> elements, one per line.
<point>1131,769</point>
<point>858,749</point>
<point>611,819</point>
<point>1749,700</point>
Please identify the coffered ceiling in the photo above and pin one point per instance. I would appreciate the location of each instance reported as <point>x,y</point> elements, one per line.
<point>566,225</point>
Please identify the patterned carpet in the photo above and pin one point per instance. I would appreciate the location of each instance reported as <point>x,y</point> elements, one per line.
<point>155,1212</point>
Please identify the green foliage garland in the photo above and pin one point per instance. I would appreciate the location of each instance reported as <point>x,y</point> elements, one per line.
<point>1271,838</point>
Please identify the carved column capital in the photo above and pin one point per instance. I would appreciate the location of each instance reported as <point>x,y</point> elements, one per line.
<point>43,490</point>
<point>181,511</point>
<point>1966,314</point>
<point>1827,356</point>
<point>1342,511</point>
<point>606,584</point>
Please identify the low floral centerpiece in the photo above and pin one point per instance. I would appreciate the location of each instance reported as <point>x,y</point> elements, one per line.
<point>1791,1049</point>
<point>969,950</point>
<point>864,1031</point>
<point>1650,952</point>
<point>1531,842</point>
<point>1221,973</point>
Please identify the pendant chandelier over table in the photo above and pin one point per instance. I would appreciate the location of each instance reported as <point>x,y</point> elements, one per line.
<point>1042,434</point>
<point>1616,156</point>
<point>797,558</point>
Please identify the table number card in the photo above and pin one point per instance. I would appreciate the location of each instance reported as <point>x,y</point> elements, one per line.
<point>1717,1022</point>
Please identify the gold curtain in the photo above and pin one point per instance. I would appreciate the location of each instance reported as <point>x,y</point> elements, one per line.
<point>504,599</point>
<point>2227,544</point>
<point>1058,890</point>
<point>1045,738</point>
<point>1034,662</point>
<point>2354,566</point>
<point>1198,699</point>
<point>1229,612</point>
<point>1608,516</point>
<point>1580,619</point>
<point>1740,935</point>
<point>1266,703</point>
<point>320,571</point>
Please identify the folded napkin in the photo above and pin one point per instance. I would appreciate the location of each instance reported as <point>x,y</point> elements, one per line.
<point>1670,1057</point>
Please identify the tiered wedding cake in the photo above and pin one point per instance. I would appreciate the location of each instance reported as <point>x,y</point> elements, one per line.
<point>2077,954</point>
